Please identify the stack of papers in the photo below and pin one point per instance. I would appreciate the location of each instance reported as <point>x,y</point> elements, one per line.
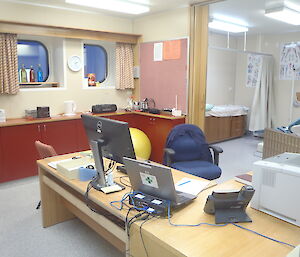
<point>54,164</point>
<point>191,186</point>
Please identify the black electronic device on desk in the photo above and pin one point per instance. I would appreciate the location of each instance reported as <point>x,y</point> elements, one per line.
<point>150,204</point>
<point>154,111</point>
<point>43,111</point>
<point>102,108</point>
<point>229,206</point>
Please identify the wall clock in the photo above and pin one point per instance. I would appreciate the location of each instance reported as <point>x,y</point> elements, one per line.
<point>74,63</point>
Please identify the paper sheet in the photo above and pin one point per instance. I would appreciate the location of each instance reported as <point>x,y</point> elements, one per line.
<point>172,50</point>
<point>191,186</point>
<point>157,52</point>
<point>54,164</point>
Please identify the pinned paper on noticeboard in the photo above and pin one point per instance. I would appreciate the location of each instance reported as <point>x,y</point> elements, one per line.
<point>172,50</point>
<point>158,52</point>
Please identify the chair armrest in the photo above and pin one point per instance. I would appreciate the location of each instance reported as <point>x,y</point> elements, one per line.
<point>216,150</point>
<point>169,153</point>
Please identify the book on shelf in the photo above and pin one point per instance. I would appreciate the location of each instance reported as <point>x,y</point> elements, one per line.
<point>244,178</point>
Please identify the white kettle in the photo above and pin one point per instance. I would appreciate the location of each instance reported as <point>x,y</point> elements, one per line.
<point>70,108</point>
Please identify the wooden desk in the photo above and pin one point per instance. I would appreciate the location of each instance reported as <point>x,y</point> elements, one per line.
<point>62,199</point>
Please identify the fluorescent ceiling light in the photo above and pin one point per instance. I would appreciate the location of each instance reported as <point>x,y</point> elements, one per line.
<point>284,14</point>
<point>226,26</point>
<point>112,5</point>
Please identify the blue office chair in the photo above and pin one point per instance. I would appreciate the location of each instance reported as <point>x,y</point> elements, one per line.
<point>187,150</point>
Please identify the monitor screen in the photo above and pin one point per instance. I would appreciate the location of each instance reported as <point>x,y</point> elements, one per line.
<point>116,137</point>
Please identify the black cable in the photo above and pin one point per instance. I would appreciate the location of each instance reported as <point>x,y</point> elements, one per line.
<point>126,219</point>
<point>124,184</point>
<point>142,234</point>
<point>132,220</point>
<point>86,196</point>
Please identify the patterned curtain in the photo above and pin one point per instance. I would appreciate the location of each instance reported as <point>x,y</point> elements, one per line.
<point>8,64</point>
<point>124,66</point>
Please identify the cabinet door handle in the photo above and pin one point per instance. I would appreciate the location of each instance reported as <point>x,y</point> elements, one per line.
<point>39,128</point>
<point>44,128</point>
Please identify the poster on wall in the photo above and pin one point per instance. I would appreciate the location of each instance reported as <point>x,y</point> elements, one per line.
<point>254,65</point>
<point>290,61</point>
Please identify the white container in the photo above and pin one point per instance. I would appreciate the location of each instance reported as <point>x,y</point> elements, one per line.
<point>2,115</point>
<point>70,108</point>
<point>176,113</point>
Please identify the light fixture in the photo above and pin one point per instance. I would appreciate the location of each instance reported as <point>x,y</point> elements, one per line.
<point>112,5</point>
<point>284,14</point>
<point>226,26</point>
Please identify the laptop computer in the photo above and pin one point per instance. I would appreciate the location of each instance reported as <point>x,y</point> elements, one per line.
<point>156,180</point>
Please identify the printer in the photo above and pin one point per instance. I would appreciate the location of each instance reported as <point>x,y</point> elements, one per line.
<point>276,181</point>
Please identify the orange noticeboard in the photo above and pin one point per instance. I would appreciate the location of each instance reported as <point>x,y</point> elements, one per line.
<point>172,50</point>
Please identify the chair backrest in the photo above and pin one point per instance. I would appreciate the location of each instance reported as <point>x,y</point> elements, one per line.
<point>188,142</point>
<point>44,150</point>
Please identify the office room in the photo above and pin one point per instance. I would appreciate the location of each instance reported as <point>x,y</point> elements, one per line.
<point>152,72</point>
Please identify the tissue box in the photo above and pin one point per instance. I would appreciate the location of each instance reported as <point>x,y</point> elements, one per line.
<point>70,168</point>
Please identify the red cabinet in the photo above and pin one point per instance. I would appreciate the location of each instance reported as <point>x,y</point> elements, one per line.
<point>157,129</point>
<point>83,143</point>
<point>18,151</point>
<point>130,118</point>
<point>18,154</point>
<point>62,135</point>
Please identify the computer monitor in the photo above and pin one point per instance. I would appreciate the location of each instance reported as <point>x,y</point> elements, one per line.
<point>108,138</point>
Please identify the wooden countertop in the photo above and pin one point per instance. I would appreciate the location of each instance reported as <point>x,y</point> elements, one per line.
<point>196,241</point>
<point>25,121</point>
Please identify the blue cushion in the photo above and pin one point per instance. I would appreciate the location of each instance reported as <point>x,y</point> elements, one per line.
<point>201,169</point>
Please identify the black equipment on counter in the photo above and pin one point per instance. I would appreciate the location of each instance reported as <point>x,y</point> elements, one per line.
<point>42,112</point>
<point>154,111</point>
<point>101,108</point>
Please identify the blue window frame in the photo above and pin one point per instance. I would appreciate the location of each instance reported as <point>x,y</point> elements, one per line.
<point>33,53</point>
<point>95,61</point>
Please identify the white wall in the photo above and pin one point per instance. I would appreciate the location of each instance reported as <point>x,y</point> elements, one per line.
<point>271,44</point>
<point>221,70</point>
<point>163,26</point>
<point>85,98</point>
<point>220,77</point>
<point>54,98</point>
<point>62,17</point>
<point>268,44</point>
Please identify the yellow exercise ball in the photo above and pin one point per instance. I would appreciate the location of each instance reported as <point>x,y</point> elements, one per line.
<point>141,143</point>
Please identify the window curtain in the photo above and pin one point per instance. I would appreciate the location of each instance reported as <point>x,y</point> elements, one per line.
<point>8,64</point>
<point>262,105</point>
<point>124,66</point>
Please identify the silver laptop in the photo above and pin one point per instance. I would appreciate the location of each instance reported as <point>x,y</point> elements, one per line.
<point>155,180</point>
